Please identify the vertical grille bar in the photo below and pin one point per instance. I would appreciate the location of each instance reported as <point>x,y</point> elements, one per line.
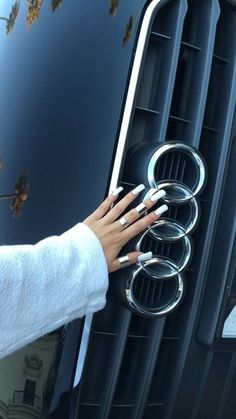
<point>208,14</point>
<point>217,376</point>
<point>193,71</point>
<point>170,70</point>
<point>202,385</point>
<point>114,372</point>
<point>138,370</point>
<point>159,69</point>
<point>113,357</point>
<point>146,379</point>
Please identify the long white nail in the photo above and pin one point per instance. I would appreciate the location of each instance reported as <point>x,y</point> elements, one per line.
<point>144,257</point>
<point>138,189</point>
<point>117,191</point>
<point>158,195</point>
<point>161,209</point>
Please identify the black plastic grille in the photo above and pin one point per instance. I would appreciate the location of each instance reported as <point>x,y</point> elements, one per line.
<point>147,369</point>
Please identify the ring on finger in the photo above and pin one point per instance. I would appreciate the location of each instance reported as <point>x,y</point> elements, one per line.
<point>123,222</point>
<point>124,261</point>
<point>141,208</point>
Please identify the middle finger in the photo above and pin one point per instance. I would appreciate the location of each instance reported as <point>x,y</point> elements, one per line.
<point>140,209</point>
<point>121,206</point>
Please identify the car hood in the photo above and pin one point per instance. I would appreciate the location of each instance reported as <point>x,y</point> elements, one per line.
<point>64,69</point>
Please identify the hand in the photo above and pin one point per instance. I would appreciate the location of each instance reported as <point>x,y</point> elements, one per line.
<point>112,235</point>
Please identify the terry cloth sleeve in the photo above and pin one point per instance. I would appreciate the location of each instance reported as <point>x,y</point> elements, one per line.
<point>46,285</point>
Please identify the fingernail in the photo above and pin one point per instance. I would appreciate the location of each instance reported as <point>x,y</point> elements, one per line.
<point>149,193</point>
<point>144,257</point>
<point>138,189</point>
<point>117,191</point>
<point>158,195</point>
<point>161,209</point>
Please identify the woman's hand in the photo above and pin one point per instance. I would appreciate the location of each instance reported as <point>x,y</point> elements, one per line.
<point>114,232</point>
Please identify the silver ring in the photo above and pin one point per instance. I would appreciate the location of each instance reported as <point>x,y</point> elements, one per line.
<point>124,261</point>
<point>123,222</point>
<point>158,311</point>
<point>182,147</point>
<point>141,208</point>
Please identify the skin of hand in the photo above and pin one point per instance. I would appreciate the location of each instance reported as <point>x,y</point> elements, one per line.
<point>104,223</point>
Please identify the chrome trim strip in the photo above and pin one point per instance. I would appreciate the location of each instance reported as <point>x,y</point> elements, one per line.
<point>142,40</point>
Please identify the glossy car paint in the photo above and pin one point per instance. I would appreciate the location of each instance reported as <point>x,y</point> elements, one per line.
<point>63,80</point>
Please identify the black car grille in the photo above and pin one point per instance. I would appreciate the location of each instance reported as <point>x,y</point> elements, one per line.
<point>166,368</point>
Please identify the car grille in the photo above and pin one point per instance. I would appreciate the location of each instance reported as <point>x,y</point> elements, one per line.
<point>182,90</point>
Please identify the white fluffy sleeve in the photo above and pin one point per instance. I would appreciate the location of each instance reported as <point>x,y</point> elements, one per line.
<point>46,285</point>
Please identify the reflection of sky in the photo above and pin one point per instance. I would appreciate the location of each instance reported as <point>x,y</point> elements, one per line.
<point>62,83</point>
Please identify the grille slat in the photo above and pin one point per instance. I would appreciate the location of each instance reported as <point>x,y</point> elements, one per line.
<point>147,373</point>
<point>110,373</point>
<point>202,386</point>
<point>194,67</point>
<point>214,385</point>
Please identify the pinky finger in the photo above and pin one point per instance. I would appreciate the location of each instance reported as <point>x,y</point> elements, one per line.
<point>131,258</point>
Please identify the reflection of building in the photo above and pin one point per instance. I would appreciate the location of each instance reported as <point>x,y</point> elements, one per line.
<point>24,378</point>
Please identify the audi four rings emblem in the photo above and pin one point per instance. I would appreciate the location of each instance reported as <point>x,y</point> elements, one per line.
<point>167,230</point>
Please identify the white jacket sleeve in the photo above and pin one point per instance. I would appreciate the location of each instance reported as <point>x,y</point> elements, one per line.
<point>46,285</point>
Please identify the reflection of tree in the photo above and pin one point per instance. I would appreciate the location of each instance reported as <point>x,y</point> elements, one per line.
<point>128,31</point>
<point>21,192</point>
<point>12,17</point>
<point>55,4</point>
<point>113,7</point>
<point>33,11</point>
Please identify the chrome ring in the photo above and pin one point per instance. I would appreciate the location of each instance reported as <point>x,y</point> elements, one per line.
<point>170,230</point>
<point>176,192</point>
<point>141,209</point>
<point>137,307</point>
<point>185,148</point>
<point>123,222</point>
<point>167,267</point>
<point>167,230</point>
<point>124,261</point>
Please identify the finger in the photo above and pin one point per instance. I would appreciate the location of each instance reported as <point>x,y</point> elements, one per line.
<point>133,257</point>
<point>106,205</point>
<point>142,208</point>
<point>142,224</point>
<point>121,206</point>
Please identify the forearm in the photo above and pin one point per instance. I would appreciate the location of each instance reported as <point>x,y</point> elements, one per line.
<point>49,284</point>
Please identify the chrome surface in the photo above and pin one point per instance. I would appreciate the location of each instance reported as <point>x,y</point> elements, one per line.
<point>184,148</point>
<point>123,222</point>
<point>141,208</point>
<point>162,310</point>
<point>124,261</point>
<point>181,264</point>
<point>169,231</point>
